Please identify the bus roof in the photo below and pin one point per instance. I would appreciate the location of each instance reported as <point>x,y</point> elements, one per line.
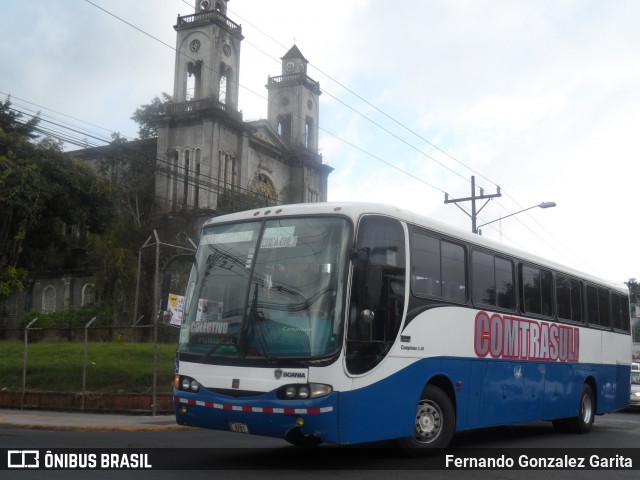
<point>355,210</point>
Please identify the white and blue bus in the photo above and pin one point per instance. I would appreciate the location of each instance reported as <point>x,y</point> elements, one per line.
<point>349,323</point>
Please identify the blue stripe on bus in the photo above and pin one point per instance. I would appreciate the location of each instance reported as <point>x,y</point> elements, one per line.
<point>488,392</point>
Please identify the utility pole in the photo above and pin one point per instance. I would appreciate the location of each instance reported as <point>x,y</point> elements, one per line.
<point>473,198</point>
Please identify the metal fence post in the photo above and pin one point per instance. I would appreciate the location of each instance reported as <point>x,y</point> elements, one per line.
<point>24,362</point>
<point>156,307</point>
<point>84,362</point>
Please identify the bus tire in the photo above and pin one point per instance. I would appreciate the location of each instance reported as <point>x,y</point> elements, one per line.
<point>434,423</point>
<point>586,411</point>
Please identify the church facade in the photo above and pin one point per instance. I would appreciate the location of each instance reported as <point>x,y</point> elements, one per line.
<point>208,159</point>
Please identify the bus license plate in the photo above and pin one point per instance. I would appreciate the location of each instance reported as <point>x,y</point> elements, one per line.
<point>238,427</point>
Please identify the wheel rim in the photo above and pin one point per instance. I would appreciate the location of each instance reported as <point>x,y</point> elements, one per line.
<point>428,421</point>
<point>587,409</point>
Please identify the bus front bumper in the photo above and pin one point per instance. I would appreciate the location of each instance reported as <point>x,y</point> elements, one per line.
<point>302,422</point>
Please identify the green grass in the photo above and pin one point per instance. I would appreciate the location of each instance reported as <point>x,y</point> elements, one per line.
<point>111,367</point>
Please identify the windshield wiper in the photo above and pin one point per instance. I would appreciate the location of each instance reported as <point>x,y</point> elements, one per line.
<point>255,319</point>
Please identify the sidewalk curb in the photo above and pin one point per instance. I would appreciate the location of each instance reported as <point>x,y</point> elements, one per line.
<point>95,422</point>
<point>94,428</point>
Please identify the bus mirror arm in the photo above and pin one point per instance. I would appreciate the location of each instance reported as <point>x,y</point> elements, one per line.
<point>358,252</point>
<point>164,296</point>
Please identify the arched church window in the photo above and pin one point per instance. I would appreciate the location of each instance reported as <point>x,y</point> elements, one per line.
<point>308,133</point>
<point>263,189</point>
<point>227,170</point>
<point>173,177</point>
<point>284,127</point>
<point>194,75</point>
<point>186,171</point>
<point>88,294</point>
<point>196,179</point>
<point>222,92</point>
<point>49,299</point>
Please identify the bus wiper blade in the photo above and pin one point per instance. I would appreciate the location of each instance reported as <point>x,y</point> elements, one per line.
<point>256,320</point>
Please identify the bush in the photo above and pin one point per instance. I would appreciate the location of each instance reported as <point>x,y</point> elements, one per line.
<point>66,325</point>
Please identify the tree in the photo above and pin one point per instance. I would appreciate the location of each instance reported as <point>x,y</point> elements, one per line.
<point>634,290</point>
<point>146,116</point>
<point>131,172</point>
<point>49,203</point>
<point>11,122</point>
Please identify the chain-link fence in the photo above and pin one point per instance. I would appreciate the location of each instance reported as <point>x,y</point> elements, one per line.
<point>92,367</point>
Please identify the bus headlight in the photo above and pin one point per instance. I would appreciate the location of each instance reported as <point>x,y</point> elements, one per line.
<point>187,384</point>
<point>290,391</point>
<point>303,391</point>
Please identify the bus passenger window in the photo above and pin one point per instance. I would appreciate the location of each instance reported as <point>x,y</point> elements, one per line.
<point>592,305</point>
<point>568,298</point>
<point>537,290</point>
<point>625,317</point>
<point>377,292</point>
<point>437,268</point>
<point>616,311</point>
<point>604,307</point>
<point>493,281</point>
<point>598,306</point>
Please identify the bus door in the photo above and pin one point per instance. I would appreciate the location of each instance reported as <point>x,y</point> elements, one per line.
<point>377,300</point>
<point>377,292</point>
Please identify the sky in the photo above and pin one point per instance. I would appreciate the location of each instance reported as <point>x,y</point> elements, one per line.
<point>538,97</point>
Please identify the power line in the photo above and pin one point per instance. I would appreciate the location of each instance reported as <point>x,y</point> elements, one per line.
<point>205,182</point>
<point>335,135</point>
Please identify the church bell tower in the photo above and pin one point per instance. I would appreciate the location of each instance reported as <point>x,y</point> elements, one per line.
<point>294,103</point>
<point>198,147</point>
<point>208,56</point>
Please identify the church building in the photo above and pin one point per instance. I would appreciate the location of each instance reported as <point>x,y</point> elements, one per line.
<point>209,159</point>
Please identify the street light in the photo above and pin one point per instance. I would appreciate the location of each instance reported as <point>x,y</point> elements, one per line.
<point>542,205</point>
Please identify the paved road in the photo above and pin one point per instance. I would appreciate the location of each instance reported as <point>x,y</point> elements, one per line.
<point>240,456</point>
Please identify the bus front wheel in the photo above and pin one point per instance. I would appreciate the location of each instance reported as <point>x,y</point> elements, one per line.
<point>434,423</point>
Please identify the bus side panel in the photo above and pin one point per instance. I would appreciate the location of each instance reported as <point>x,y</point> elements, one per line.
<point>562,389</point>
<point>381,410</point>
<point>619,379</point>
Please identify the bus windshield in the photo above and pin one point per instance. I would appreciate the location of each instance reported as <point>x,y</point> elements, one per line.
<point>267,290</point>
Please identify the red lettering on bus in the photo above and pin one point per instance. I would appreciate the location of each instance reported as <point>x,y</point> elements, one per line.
<point>502,336</point>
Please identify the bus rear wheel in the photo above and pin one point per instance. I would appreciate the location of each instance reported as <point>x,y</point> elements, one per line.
<point>586,411</point>
<point>583,422</point>
<point>434,423</point>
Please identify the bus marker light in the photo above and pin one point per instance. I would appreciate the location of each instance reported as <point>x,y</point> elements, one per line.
<point>183,409</point>
<point>299,422</point>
